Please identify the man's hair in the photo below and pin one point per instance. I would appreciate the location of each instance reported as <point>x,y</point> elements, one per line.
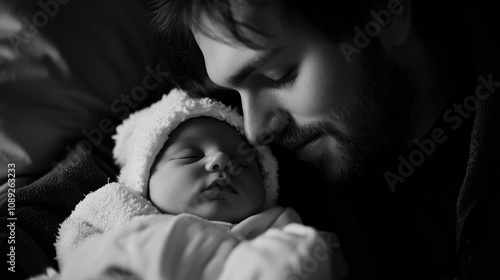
<point>170,21</point>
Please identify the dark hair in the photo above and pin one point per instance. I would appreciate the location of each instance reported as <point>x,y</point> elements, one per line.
<point>170,21</point>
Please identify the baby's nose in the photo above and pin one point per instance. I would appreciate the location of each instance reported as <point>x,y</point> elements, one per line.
<point>218,162</point>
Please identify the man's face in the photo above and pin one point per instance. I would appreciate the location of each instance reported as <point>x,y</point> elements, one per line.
<point>300,91</point>
<point>202,171</point>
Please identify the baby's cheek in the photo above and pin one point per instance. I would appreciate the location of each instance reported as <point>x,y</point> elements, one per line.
<point>256,189</point>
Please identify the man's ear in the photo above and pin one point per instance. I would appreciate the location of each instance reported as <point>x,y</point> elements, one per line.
<point>397,31</point>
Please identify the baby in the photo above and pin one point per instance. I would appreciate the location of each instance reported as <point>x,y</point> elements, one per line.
<point>184,162</point>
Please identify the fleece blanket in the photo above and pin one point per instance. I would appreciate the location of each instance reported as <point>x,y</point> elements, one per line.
<point>115,205</point>
<point>117,233</point>
<point>42,205</point>
<point>168,247</point>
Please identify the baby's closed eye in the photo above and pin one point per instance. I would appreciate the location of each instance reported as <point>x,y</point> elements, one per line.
<point>188,154</point>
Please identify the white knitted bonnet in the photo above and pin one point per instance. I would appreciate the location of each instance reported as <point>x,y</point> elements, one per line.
<point>139,139</point>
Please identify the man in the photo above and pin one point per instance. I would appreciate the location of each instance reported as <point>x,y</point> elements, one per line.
<point>390,101</point>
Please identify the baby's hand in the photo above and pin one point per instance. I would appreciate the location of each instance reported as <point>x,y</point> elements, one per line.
<point>294,252</point>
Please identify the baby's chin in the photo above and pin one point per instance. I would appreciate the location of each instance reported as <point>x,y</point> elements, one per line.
<point>223,211</point>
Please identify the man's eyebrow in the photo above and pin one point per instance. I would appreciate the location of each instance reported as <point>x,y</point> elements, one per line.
<point>245,71</point>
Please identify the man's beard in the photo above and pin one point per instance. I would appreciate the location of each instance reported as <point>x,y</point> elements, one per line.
<point>377,121</point>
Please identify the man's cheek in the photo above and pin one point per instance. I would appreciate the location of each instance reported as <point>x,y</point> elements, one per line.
<point>326,93</point>
<point>312,100</point>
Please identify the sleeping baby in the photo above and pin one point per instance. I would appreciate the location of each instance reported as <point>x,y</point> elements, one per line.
<point>193,201</point>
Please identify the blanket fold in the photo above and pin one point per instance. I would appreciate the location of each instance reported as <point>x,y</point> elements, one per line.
<point>113,206</point>
<point>42,205</point>
<point>116,232</point>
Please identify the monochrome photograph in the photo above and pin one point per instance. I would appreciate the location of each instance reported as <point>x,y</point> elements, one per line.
<point>250,139</point>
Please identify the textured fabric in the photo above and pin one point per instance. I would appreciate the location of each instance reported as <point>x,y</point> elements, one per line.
<point>107,208</point>
<point>155,247</point>
<point>114,206</point>
<point>42,205</point>
<point>478,207</point>
<point>115,227</point>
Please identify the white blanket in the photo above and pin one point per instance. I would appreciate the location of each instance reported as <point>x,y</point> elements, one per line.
<point>115,233</point>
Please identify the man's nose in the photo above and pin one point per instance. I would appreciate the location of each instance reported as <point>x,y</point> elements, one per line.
<point>218,162</point>
<point>263,119</point>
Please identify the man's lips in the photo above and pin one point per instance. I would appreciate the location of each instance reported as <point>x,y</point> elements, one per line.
<point>297,144</point>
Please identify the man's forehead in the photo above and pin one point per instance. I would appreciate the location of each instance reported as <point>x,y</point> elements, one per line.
<point>222,59</point>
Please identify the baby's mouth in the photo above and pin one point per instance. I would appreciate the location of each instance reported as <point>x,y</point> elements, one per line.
<point>217,187</point>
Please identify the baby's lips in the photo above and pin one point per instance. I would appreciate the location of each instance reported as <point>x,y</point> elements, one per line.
<point>224,181</point>
<point>220,185</point>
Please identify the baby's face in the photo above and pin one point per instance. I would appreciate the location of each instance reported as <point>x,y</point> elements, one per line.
<point>207,169</point>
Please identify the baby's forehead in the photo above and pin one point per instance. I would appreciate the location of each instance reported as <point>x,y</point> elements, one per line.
<point>200,130</point>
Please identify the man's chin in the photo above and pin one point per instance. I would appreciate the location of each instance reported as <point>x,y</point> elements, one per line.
<point>336,171</point>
